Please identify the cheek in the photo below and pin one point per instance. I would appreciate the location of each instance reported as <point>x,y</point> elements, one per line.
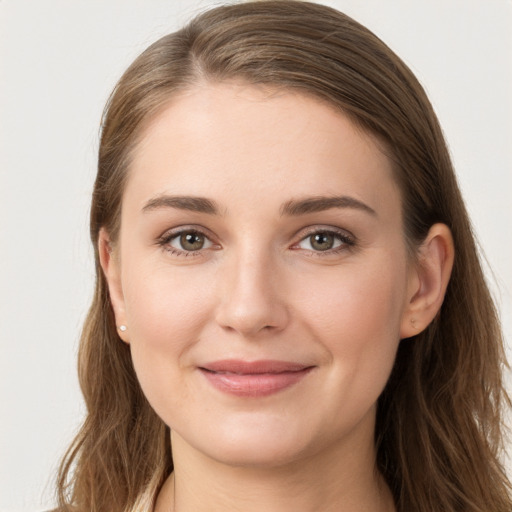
<point>166,313</point>
<point>357,301</point>
<point>164,306</point>
<point>356,316</point>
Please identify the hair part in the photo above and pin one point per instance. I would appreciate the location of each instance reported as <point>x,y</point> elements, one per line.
<point>439,431</point>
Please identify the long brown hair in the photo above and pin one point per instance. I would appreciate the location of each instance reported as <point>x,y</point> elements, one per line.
<point>439,429</point>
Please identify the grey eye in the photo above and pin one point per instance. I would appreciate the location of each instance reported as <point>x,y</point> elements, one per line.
<point>190,241</point>
<point>321,241</point>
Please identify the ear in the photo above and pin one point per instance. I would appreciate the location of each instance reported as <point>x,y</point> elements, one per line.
<point>428,280</point>
<point>110,265</point>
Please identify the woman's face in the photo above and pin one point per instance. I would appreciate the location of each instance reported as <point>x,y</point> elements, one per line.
<point>262,274</point>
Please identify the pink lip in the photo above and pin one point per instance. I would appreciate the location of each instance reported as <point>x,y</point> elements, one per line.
<point>255,378</point>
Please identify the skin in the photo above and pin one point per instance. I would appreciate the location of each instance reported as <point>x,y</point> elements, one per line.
<point>260,289</point>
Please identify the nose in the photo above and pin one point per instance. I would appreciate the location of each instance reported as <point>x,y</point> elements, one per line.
<point>252,301</point>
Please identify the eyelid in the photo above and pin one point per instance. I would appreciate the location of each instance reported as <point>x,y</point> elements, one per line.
<point>185,228</point>
<point>321,228</point>
<point>177,236</point>
<point>170,234</point>
<point>347,238</point>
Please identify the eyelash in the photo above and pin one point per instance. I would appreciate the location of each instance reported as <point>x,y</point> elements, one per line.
<point>165,240</point>
<point>347,241</point>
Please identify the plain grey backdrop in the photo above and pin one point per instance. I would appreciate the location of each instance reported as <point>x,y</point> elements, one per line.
<point>59,59</point>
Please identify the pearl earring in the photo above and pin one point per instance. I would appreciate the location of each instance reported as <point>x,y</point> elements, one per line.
<point>122,328</point>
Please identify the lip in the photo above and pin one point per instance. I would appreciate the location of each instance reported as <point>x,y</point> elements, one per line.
<point>253,378</point>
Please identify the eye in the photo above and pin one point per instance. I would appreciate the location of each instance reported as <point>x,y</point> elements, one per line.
<point>325,240</point>
<point>185,241</point>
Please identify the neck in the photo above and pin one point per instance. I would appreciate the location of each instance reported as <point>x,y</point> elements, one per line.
<point>344,479</point>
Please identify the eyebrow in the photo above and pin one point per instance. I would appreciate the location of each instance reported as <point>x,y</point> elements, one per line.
<point>294,207</point>
<point>190,203</point>
<point>321,203</point>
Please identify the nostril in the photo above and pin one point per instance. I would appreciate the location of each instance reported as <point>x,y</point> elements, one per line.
<point>249,300</point>
<point>250,319</point>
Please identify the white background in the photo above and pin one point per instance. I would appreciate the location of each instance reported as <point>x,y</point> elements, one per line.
<point>59,59</point>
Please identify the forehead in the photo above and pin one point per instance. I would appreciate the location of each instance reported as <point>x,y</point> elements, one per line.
<point>247,144</point>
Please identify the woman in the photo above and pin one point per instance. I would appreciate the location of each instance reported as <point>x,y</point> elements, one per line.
<point>288,291</point>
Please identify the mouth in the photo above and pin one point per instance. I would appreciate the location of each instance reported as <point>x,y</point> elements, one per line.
<point>253,378</point>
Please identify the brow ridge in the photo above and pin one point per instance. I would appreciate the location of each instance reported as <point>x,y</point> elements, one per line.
<point>314,204</point>
<point>294,207</point>
<point>190,203</point>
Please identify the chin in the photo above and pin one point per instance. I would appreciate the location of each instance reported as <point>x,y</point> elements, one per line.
<point>255,441</point>
<point>257,454</point>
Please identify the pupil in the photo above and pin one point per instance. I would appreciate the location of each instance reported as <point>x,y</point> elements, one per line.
<point>192,241</point>
<point>322,241</point>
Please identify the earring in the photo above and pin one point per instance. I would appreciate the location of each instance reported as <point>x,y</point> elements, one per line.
<point>122,328</point>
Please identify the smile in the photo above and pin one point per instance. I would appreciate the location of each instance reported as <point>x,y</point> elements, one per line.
<point>253,379</point>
